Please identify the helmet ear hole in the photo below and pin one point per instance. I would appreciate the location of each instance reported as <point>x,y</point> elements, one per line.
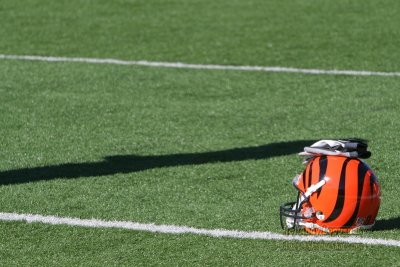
<point>320,216</point>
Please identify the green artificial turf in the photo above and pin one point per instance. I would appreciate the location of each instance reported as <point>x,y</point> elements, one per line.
<point>302,33</point>
<point>67,246</point>
<point>201,148</point>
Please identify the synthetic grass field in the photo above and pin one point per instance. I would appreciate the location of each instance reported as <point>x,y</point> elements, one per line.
<point>213,149</point>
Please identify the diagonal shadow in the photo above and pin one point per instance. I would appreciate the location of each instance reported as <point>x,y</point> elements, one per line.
<point>387,224</point>
<point>134,163</point>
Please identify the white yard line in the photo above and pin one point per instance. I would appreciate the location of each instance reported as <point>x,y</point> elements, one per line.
<point>198,66</point>
<point>173,229</point>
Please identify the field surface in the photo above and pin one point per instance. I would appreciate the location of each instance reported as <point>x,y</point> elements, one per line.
<point>189,147</point>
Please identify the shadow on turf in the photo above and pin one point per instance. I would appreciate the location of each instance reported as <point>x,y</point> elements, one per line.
<point>134,163</point>
<point>387,224</point>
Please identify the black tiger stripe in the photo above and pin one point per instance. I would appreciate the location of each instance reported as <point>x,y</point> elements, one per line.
<point>372,180</point>
<point>323,164</point>
<point>304,179</point>
<point>340,194</point>
<point>362,171</point>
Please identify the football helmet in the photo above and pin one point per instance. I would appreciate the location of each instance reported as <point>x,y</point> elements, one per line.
<point>335,194</point>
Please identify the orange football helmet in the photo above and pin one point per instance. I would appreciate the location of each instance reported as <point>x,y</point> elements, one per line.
<point>335,194</point>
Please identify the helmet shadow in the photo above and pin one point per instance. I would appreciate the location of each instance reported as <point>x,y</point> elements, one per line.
<point>387,224</point>
<point>134,163</point>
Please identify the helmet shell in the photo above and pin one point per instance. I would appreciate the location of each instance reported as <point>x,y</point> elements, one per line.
<point>349,199</point>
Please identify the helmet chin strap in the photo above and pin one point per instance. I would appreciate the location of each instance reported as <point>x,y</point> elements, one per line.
<point>314,226</point>
<point>355,230</point>
<point>361,227</point>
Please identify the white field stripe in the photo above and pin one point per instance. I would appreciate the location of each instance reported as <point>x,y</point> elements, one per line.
<point>199,66</point>
<point>173,229</point>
